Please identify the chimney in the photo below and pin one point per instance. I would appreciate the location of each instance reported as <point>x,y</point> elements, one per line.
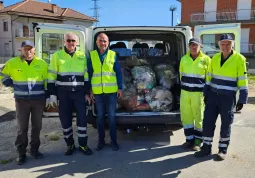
<point>1,5</point>
<point>54,8</point>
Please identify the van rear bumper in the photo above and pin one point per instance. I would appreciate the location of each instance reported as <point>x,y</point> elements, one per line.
<point>150,120</point>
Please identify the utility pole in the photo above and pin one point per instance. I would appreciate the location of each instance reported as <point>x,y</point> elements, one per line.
<point>96,11</point>
<point>172,9</point>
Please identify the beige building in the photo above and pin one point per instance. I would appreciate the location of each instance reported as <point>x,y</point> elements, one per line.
<point>16,23</point>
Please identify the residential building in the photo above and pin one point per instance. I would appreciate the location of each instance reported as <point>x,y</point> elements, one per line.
<point>199,12</point>
<point>16,23</point>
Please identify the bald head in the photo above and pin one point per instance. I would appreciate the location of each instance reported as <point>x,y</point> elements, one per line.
<point>71,40</point>
<point>102,42</point>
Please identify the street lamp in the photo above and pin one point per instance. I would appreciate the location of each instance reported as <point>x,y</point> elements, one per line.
<point>172,9</point>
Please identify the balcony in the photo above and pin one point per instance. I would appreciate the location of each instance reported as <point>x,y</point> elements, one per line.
<point>242,15</point>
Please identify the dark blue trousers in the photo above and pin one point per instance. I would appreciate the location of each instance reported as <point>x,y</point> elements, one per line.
<point>106,102</point>
<point>68,102</point>
<point>222,104</point>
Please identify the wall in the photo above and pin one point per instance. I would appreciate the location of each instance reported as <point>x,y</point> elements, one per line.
<point>226,5</point>
<point>76,22</point>
<point>5,36</point>
<point>188,8</point>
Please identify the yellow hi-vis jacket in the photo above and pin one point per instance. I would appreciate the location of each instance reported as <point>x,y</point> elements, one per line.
<point>66,72</point>
<point>104,78</point>
<point>193,72</point>
<point>230,77</point>
<point>28,81</point>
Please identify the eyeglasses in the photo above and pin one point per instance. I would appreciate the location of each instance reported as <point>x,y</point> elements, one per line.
<point>69,41</point>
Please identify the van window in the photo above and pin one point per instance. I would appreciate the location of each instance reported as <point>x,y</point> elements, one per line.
<point>51,43</point>
<point>210,44</point>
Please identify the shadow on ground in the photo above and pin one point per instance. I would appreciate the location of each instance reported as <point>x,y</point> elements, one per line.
<point>8,116</point>
<point>251,100</point>
<point>141,154</point>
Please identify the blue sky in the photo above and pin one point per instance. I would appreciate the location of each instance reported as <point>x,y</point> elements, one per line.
<point>124,12</point>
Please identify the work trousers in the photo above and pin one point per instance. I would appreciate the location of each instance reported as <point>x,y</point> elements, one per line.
<point>222,104</point>
<point>25,109</point>
<point>192,112</point>
<point>68,102</point>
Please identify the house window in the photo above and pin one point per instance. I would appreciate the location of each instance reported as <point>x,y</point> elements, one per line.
<point>5,26</point>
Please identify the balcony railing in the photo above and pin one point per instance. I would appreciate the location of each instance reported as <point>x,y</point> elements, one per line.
<point>224,16</point>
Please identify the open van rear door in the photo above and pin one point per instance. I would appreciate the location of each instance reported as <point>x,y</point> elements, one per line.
<point>49,38</point>
<point>210,34</point>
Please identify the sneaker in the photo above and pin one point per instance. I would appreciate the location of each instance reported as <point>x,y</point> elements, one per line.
<point>187,145</point>
<point>21,159</point>
<point>115,147</point>
<point>100,146</point>
<point>203,152</point>
<point>36,155</point>
<point>220,156</point>
<point>70,150</point>
<point>86,150</point>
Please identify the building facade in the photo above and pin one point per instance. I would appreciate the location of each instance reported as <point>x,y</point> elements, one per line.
<point>16,23</point>
<point>198,12</point>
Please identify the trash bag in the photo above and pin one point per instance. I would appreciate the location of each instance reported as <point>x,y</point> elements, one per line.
<point>129,99</point>
<point>126,75</point>
<point>166,75</point>
<point>144,77</point>
<point>133,61</point>
<point>159,99</point>
<point>142,107</point>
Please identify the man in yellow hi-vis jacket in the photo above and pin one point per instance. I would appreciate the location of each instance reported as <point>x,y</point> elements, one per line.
<point>226,75</point>
<point>68,79</point>
<point>193,69</point>
<point>27,74</point>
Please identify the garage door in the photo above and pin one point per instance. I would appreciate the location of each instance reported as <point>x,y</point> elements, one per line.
<point>245,33</point>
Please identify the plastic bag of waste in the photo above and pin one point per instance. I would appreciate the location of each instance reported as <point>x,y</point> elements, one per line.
<point>129,99</point>
<point>133,61</point>
<point>166,75</point>
<point>126,75</point>
<point>144,77</point>
<point>159,99</point>
<point>142,107</point>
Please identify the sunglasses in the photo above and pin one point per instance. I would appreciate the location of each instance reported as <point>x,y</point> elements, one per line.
<point>69,41</point>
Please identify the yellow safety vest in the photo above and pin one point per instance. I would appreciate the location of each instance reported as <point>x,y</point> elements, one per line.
<point>193,72</point>
<point>230,77</point>
<point>29,81</point>
<point>68,72</point>
<point>103,78</point>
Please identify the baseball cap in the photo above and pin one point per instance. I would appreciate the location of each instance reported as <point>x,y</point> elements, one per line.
<point>194,40</point>
<point>27,43</point>
<point>226,37</point>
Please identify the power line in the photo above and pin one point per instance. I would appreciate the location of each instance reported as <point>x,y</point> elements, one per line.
<point>96,11</point>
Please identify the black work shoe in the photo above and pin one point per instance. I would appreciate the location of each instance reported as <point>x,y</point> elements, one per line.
<point>115,147</point>
<point>203,152</point>
<point>21,159</point>
<point>100,146</point>
<point>187,145</point>
<point>86,150</point>
<point>70,150</point>
<point>220,156</point>
<point>36,155</point>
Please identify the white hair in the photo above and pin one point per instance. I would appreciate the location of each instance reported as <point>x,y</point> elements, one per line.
<point>232,43</point>
<point>70,34</point>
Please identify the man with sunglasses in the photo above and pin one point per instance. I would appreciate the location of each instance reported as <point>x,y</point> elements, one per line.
<point>68,79</point>
<point>106,83</point>
<point>27,74</point>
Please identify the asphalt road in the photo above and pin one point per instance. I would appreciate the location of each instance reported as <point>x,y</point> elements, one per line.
<point>156,153</point>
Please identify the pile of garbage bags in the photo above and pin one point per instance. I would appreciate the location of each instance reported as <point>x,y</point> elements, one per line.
<point>147,88</point>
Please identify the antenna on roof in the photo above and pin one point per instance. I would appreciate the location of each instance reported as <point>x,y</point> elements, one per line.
<point>96,11</point>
